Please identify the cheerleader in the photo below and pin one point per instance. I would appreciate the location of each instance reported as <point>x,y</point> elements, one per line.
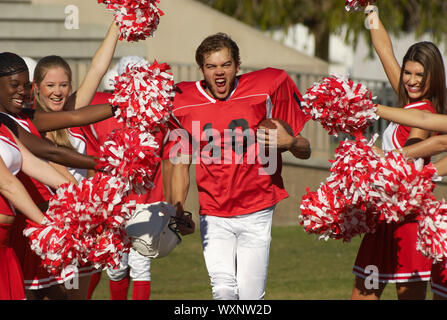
<point>13,158</point>
<point>431,146</point>
<point>52,90</point>
<point>391,250</point>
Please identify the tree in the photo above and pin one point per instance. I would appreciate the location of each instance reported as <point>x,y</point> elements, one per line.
<point>326,17</point>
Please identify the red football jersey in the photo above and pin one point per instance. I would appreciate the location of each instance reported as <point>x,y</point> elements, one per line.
<point>96,134</point>
<point>232,176</point>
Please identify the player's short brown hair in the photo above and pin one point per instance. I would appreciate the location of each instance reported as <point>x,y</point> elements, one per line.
<point>215,43</point>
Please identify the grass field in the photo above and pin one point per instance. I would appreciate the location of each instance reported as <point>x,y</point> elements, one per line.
<point>301,268</point>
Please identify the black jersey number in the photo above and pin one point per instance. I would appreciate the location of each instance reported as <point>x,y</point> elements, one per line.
<point>233,125</point>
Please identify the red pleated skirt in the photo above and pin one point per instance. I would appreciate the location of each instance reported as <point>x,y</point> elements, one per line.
<point>391,252</point>
<point>35,275</point>
<point>11,277</point>
<point>439,278</point>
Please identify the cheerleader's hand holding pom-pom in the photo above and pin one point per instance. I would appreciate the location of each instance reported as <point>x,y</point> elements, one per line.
<point>357,5</point>
<point>76,217</point>
<point>137,19</point>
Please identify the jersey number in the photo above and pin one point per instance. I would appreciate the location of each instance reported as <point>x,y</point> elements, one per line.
<point>233,125</point>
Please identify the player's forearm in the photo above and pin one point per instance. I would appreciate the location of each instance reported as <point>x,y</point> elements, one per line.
<point>179,186</point>
<point>300,148</point>
<point>167,167</point>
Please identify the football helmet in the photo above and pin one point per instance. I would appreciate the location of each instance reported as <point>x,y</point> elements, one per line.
<point>152,230</point>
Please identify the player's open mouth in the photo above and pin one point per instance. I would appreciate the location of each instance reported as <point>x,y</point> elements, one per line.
<point>221,82</point>
<point>221,85</point>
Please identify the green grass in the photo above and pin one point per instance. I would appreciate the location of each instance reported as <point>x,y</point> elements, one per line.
<point>301,268</point>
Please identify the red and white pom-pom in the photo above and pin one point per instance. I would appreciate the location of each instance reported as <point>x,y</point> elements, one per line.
<point>77,216</point>
<point>432,230</point>
<point>401,186</point>
<point>330,214</point>
<point>137,19</point>
<point>356,5</point>
<point>144,95</point>
<point>340,105</point>
<point>340,209</point>
<point>132,156</point>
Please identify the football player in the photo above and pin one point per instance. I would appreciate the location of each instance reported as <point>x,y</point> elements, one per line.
<point>238,190</point>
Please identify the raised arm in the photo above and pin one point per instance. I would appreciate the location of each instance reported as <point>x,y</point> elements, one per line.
<point>414,118</point>
<point>13,190</point>
<point>384,48</point>
<point>99,66</point>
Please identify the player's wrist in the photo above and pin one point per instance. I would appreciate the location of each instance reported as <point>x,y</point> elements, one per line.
<point>291,143</point>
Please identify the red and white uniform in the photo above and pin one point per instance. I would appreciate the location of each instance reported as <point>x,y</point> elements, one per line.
<point>36,276</point>
<point>395,135</point>
<point>39,192</point>
<point>229,189</point>
<point>11,277</point>
<point>237,193</point>
<point>392,248</point>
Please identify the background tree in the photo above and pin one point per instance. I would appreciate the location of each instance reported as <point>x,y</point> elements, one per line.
<point>326,17</point>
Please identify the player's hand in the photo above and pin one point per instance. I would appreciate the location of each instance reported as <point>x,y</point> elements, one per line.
<point>281,140</point>
<point>185,224</point>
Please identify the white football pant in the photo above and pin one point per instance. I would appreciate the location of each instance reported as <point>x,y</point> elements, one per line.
<point>140,267</point>
<point>236,252</point>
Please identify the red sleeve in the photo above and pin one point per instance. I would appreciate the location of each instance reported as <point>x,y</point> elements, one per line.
<point>177,141</point>
<point>92,132</point>
<point>286,105</point>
